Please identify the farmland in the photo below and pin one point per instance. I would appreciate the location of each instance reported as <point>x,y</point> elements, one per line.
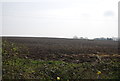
<point>59,58</point>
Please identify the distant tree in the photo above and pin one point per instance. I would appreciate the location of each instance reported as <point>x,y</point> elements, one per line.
<point>109,39</point>
<point>75,37</point>
<point>115,38</point>
<point>102,38</point>
<point>81,38</point>
<point>86,38</point>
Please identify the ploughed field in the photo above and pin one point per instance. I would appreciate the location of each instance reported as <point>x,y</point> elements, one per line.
<point>59,58</point>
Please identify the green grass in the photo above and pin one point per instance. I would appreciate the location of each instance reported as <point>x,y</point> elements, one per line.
<point>30,69</point>
<point>16,67</point>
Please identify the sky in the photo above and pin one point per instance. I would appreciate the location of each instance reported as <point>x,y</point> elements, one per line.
<point>60,18</point>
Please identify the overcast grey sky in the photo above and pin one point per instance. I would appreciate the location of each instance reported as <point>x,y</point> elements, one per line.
<point>61,18</point>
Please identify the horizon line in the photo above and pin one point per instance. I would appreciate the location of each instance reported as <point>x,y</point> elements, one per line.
<point>53,36</point>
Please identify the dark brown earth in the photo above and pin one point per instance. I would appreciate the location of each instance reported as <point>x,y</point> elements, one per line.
<point>69,50</point>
